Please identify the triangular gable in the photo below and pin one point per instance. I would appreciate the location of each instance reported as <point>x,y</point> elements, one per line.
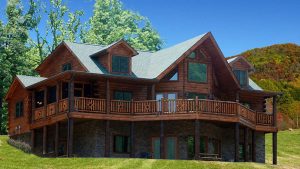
<point>193,44</point>
<point>236,59</point>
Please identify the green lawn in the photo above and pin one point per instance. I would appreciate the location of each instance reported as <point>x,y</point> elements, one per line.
<point>288,157</point>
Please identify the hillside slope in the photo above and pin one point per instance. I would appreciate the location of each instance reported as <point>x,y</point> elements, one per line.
<point>277,68</point>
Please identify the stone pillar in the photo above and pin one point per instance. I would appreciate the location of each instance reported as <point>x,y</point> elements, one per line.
<point>132,140</point>
<point>107,139</point>
<point>44,140</point>
<point>253,146</point>
<point>56,138</point>
<point>246,144</point>
<point>32,139</point>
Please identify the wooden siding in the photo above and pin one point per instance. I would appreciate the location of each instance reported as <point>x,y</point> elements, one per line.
<point>21,124</point>
<point>54,65</point>
<point>240,64</point>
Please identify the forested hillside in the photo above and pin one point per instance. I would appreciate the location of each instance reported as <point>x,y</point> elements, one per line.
<point>277,68</point>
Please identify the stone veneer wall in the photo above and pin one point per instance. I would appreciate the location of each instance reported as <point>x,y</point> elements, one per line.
<point>89,137</point>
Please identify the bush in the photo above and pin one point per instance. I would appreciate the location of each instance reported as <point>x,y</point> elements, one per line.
<point>20,145</point>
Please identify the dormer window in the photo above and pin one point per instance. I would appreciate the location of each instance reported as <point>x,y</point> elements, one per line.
<point>242,77</point>
<point>66,67</point>
<point>192,55</point>
<point>120,64</point>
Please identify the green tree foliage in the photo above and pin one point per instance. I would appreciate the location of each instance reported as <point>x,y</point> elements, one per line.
<point>13,49</point>
<point>111,22</point>
<point>277,68</point>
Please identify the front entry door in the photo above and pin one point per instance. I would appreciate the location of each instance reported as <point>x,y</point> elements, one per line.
<point>170,147</point>
<point>156,148</point>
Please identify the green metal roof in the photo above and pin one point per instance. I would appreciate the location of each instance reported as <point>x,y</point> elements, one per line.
<point>147,65</point>
<point>29,80</point>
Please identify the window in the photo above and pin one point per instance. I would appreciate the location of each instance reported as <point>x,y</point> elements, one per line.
<point>172,76</point>
<point>19,109</point>
<point>191,147</point>
<point>82,90</point>
<point>192,55</point>
<point>51,97</point>
<point>39,99</point>
<point>197,72</point>
<point>202,54</point>
<point>203,144</point>
<point>66,67</point>
<point>122,95</point>
<point>120,64</point>
<point>191,95</point>
<point>64,90</point>
<point>121,144</point>
<point>241,76</point>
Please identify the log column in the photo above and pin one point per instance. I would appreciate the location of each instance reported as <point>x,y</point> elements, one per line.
<point>197,139</point>
<point>253,146</point>
<point>56,138</point>
<point>107,97</point>
<point>246,144</point>
<point>70,137</point>
<point>44,140</point>
<point>162,140</point>
<point>274,135</point>
<point>71,94</point>
<point>237,141</point>
<point>132,140</point>
<point>107,139</point>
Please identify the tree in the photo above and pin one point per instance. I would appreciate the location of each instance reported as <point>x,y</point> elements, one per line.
<point>111,22</point>
<point>13,49</point>
<point>62,24</point>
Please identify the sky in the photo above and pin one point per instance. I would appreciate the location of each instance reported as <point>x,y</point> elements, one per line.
<point>237,25</point>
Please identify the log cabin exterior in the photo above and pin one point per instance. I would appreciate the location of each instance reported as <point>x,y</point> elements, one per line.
<point>183,102</point>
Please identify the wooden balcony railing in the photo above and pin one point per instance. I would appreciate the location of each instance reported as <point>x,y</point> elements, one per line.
<point>90,105</point>
<point>154,107</point>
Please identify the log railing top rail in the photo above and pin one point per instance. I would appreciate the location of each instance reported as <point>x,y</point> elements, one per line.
<point>162,107</point>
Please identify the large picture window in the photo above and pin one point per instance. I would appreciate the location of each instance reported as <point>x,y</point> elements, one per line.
<point>122,95</point>
<point>121,144</point>
<point>192,95</point>
<point>19,109</point>
<point>241,76</point>
<point>197,72</point>
<point>120,64</point>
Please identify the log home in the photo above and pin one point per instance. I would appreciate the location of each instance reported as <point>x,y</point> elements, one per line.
<point>183,102</point>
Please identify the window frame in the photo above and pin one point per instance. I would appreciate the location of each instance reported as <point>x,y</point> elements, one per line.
<point>128,144</point>
<point>18,115</point>
<point>120,72</point>
<point>65,64</point>
<point>193,81</point>
<point>247,77</point>
<point>122,91</point>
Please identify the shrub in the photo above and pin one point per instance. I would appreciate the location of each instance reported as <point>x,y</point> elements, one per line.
<point>20,145</point>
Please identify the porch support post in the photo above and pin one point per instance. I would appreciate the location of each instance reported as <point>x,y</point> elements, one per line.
<point>153,92</point>
<point>274,134</point>
<point>107,96</point>
<point>197,139</point>
<point>70,137</point>
<point>32,106</point>
<point>44,140</point>
<point>107,139</point>
<point>71,94</point>
<point>246,144</point>
<point>237,141</point>
<point>132,140</point>
<point>253,146</point>
<point>162,140</point>
<point>57,96</point>
<point>32,139</point>
<point>56,138</point>
<point>45,101</point>
<point>237,97</point>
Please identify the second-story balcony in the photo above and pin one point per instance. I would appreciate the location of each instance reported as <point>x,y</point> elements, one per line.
<point>149,110</point>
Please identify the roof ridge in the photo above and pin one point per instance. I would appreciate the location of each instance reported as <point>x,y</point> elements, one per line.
<point>82,43</point>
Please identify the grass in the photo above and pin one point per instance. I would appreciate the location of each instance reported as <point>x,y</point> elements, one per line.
<point>288,157</point>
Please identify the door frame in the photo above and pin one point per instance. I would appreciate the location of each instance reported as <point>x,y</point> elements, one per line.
<point>165,147</point>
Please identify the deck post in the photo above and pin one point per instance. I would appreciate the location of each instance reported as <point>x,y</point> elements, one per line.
<point>32,105</point>
<point>253,146</point>
<point>32,139</point>
<point>56,138</point>
<point>71,94</point>
<point>153,92</point>
<point>162,140</point>
<point>274,134</point>
<point>197,139</point>
<point>45,101</point>
<point>44,140</point>
<point>107,139</point>
<point>57,96</point>
<point>107,96</point>
<point>237,97</point>
<point>246,144</point>
<point>132,140</point>
<point>237,141</point>
<point>70,137</point>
